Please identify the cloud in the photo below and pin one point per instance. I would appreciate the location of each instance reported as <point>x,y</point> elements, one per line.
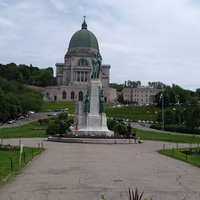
<point>141,39</point>
<point>60,5</point>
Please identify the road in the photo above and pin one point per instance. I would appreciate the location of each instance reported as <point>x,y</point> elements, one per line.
<point>33,117</point>
<point>87,171</point>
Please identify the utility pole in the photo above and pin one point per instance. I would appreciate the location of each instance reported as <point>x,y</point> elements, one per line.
<point>163,117</point>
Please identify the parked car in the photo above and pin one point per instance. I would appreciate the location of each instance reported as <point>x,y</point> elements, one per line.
<point>21,117</point>
<point>11,121</point>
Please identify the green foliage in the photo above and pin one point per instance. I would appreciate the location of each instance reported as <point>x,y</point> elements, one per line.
<point>58,105</point>
<point>24,131</point>
<point>159,136</point>
<point>111,123</point>
<point>116,129</point>
<point>191,155</point>
<point>6,156</point>
<point>133,112</point>
<point>53,129</point>
<point>16,99</point>
<point>28,74</point>
<point>120,99</point>
<point>134,195</point>
<point>57,121</point>
<point>43,122</point>
<point>192,114</point>
<point>176,128</point>
<point>118,87</point>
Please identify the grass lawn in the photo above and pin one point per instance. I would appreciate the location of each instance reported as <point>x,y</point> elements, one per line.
<point>125,112</point>
<point>156,136</point>
<point>137,112</point>
<point>27,130</point>
<point>58,105</point>
<point>32,130</point>
<point>9,161</point>
<point>179,154</point>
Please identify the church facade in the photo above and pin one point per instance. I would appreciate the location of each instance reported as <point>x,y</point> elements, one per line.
<point>73,76</point>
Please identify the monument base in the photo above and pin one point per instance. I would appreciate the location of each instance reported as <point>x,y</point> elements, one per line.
<point>94,125</point>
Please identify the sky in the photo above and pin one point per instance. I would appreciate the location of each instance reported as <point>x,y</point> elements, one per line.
<point>157,40</point>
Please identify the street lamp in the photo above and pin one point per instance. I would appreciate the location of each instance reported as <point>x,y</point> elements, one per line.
<point>163,118</point>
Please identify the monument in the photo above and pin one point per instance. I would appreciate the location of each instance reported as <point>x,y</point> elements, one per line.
<point>90,114</point>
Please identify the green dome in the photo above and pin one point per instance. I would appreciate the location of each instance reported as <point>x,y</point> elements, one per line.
<point>84,38</point>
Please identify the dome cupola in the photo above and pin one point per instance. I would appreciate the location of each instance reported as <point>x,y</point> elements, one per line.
<point>83,38</point>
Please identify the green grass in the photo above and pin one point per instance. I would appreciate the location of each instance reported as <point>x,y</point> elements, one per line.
<point>5,161</point>
<point>125,112</point>
<point>137,112</point>
<point>157,136</point>
<point>27,130</point>
<point>58,105</point>
<point>178,154</point>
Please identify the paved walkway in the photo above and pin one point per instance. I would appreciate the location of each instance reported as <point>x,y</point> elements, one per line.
<point>87,171</point>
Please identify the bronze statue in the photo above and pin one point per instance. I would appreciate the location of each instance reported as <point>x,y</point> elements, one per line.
<point>96,63</point>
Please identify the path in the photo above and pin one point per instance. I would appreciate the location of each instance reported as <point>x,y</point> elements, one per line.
<point>87,171</point>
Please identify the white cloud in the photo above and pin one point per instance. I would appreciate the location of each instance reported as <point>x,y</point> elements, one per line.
<point>141,39</point>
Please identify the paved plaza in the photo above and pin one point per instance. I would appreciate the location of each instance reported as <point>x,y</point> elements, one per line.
<point>67,171</point>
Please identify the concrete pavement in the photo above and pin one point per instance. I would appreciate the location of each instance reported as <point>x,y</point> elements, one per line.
<point>67,171</point>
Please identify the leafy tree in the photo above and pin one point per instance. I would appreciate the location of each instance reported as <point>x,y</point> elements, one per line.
<point>156,84</point>
<point>118,87</point>
<point>120,99</point>
<point>132,84</point>
<point>5,110</point>
<point>192,114</point>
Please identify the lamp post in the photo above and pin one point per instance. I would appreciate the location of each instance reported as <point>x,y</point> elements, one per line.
<point>163,117</point>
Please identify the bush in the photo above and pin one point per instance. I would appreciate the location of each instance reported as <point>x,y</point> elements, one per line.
<point>57,121</point>
<point>116,129</point>
<point>176,128</point>
<point>53,129</point>
<point>43,121</point>
<point>111,123</point>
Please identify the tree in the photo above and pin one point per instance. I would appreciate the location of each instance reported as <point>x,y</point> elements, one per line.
<point>120,99</point>
<point>118,87</point>
<point>192,114</point>
<point>156,84</point>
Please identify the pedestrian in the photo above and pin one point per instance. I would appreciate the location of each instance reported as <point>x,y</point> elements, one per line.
<point>76,128</point>
<point>71,129</point>
<point>129,130</point>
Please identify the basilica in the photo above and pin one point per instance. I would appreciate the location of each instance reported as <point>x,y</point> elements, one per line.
<point>73,76</point>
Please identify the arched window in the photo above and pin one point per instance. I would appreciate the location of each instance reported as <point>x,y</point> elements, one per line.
<point>82,63</point>
<point>80,96</point>
<point>64,95</point>
<point>72,95</point>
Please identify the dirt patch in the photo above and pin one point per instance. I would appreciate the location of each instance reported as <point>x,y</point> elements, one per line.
<point>9,148</point>
<point>192,152</point>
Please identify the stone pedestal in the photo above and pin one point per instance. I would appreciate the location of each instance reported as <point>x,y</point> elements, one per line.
<point>93,122</point>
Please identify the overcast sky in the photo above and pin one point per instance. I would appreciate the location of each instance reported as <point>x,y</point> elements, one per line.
<point>146,40</point>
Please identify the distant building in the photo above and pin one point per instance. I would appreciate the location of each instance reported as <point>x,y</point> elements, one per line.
<point>73,76</point>
<point>140,95</point>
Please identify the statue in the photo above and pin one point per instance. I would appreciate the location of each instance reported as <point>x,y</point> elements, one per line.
<point>102,104</point>
<point>101,101</point>
<point>96,63</point>
<point>87,102</point>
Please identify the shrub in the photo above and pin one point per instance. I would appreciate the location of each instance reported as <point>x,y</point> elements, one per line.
<point>116,128</point>
<point>71,120</point>
<point>176,128</point>
<point>43,121</point>
<point>111,123</point>
<point>53,129</point>
<point>57,121</point>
